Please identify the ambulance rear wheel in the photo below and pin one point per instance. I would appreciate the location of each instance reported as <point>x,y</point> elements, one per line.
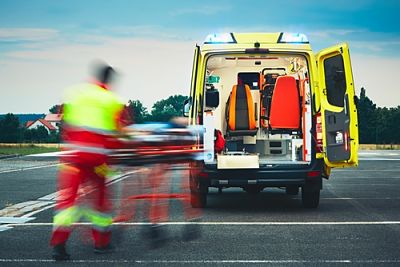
<point>198,200</point>
<point>310,198</point>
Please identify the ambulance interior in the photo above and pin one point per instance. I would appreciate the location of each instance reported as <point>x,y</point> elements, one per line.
<point>263,110</point>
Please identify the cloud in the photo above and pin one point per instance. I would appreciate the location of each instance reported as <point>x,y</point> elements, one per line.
<point>27,34</point>
<point>151,69</point>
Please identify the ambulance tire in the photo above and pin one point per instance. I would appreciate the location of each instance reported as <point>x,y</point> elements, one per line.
<point>310,198</point>
<point>198,200</point>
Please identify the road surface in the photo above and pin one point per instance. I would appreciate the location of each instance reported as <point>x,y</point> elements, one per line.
<point>357,222</point>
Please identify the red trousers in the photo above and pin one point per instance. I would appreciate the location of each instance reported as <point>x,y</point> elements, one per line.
<point>82,192</point>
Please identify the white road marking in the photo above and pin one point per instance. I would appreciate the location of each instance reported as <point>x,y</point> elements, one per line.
<point>50,197</point>
<point>210,261</point>
<point>14,220</point>
<point>48,200</point>
<point>378,159</point>
<point>4,228</point>
<point>22,208</point>
<point>31,168</point>
<point>29,208</point>
<point>379,152</point>
<point>51,154</point>
<point>228,223</point>
<point>38,211</point>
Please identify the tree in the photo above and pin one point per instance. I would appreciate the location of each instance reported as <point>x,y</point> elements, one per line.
<point>56,109</point>
<point>37,135</point>
<point>137,111</point>
<point>367,119</point>
<point>42,134</point>
<point>54,137</point>
<point>396,125</point>
<point>28,135</point>
<point>10,131</point>
<point>388,125</point>
<point>377,125</point>
<point>166,109</point>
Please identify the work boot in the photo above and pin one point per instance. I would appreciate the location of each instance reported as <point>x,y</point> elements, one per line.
<point>104,250</point>
<point>60,253</point>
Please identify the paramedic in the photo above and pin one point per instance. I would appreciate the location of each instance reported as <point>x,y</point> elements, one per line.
<point>92,119</point>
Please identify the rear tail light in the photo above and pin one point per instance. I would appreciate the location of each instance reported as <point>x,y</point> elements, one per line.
<point>311,174</point>
<point>346,141</point>
<point>203,174</point>
<point>318,132</point>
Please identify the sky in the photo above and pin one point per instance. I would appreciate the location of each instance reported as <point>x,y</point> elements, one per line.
<point>47,46</point>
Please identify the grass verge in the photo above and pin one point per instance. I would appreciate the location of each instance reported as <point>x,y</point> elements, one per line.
<point>26,150</point>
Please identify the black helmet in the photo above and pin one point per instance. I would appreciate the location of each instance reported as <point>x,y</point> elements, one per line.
<point>103,72</point>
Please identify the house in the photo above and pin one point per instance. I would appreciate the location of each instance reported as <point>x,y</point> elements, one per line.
<point>51,122</point>
<point>41,122</point>
<point>54,119</point>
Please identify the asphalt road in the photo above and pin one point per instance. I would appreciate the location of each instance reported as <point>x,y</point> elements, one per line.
<point>357,223</point>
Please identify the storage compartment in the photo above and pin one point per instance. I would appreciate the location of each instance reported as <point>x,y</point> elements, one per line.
<point>273,147</point>
<point>238,160</point>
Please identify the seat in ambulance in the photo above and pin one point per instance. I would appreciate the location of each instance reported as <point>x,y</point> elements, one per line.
<point>285,105</point>
<point>240,112</point>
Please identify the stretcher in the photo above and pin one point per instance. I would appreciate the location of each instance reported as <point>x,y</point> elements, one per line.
<point>156,148</point>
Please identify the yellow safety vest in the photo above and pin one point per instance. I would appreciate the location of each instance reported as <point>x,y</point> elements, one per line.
<point>92,107</point>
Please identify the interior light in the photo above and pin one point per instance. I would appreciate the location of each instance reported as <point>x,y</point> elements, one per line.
<point>220,38</point>
<point>287,37</point>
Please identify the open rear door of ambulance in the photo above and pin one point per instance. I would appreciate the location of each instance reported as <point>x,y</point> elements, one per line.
<point>338,107</point>
<point>193,100</point>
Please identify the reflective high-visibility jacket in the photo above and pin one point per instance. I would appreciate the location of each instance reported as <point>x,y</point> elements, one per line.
<point>91,115</point>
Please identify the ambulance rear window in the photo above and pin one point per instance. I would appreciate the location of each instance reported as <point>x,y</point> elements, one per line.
<point>250,78</point>
<point>335,80</point>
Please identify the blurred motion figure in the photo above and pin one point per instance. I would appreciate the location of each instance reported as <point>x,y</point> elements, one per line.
<point>92,120</point>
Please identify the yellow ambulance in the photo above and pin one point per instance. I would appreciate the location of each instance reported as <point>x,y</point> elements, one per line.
<point>274,114</point>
